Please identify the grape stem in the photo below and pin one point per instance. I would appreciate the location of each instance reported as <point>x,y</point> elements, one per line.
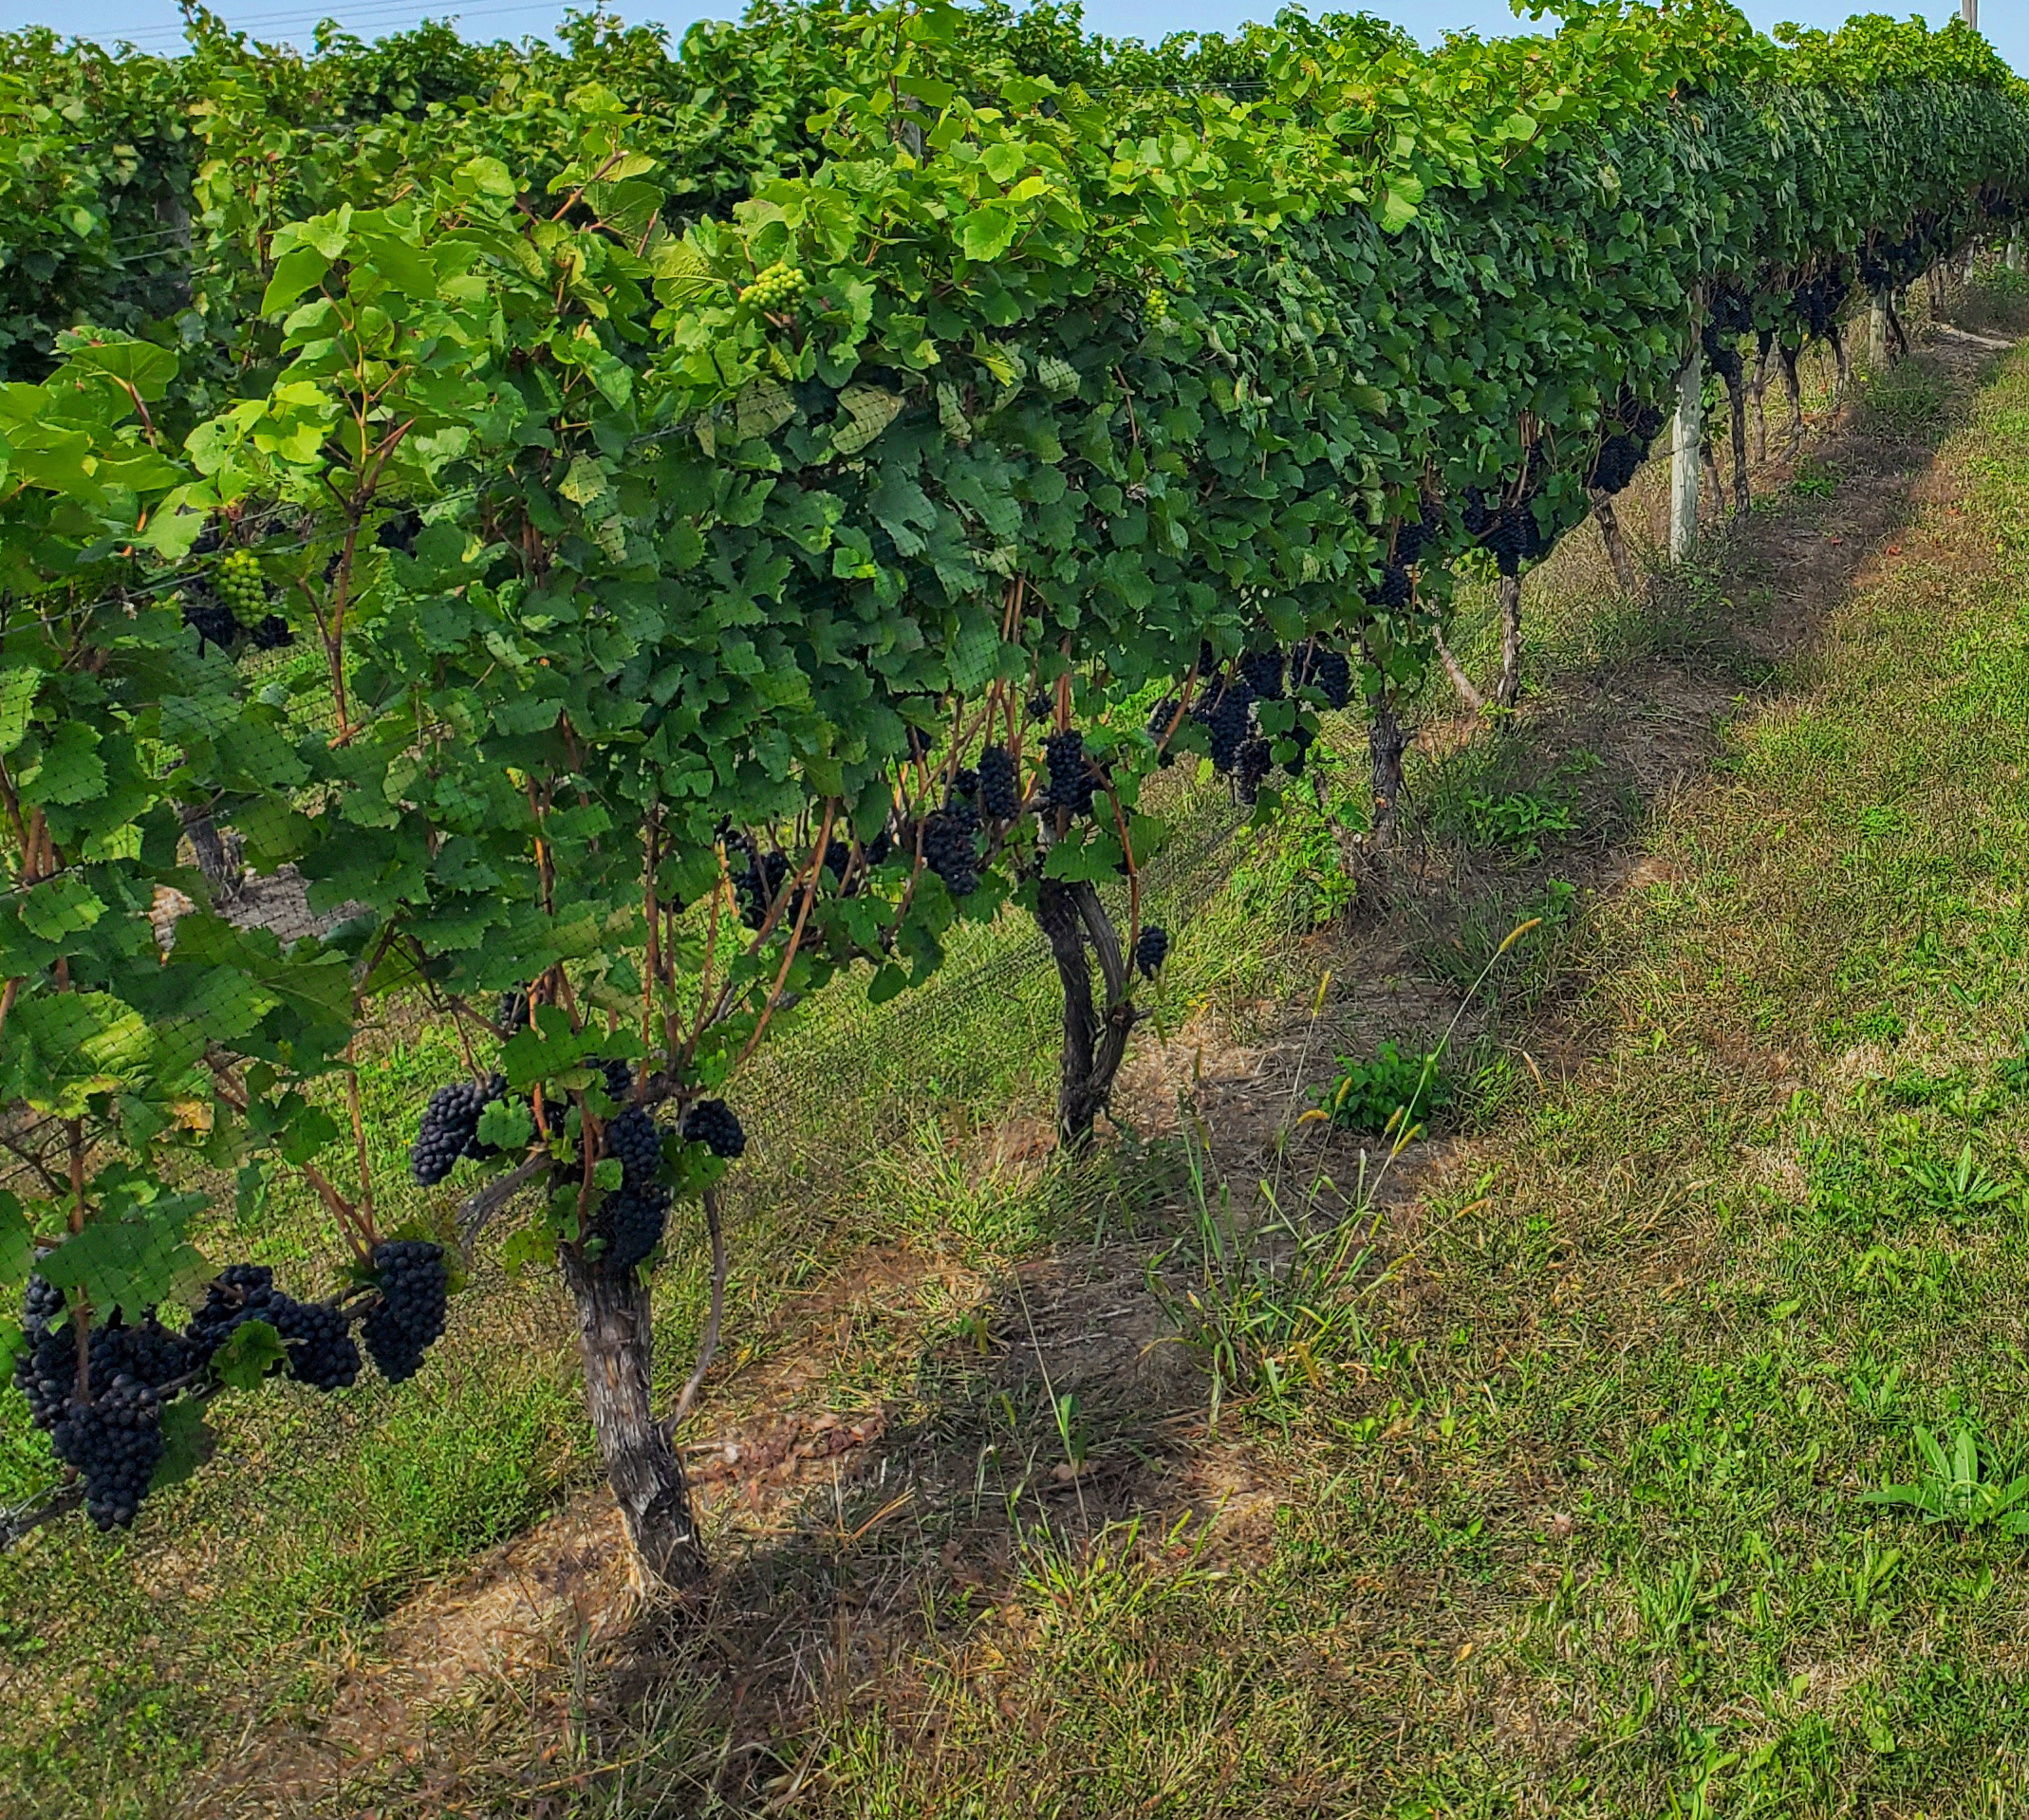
<point>22,1520</point>
<point>486,1200</point>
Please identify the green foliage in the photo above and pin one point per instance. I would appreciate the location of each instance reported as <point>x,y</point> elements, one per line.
<point>1390,1093</point>
<point>1814,479</point>
<point>1953,1487</point>
<point>1519,821</point>
<point>2012,1072</point>
<point>1958,1189</point>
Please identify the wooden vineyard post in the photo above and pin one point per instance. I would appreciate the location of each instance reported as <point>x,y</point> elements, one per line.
<point>1877,331</point>
<point>1685,440</point>
<point>2015,247</point>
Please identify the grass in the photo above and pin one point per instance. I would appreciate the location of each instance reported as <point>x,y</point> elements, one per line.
<point>1589,1529</point>
<point>1538,1488</point>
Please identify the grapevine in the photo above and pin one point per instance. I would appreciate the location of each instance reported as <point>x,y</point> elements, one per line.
<point>762,518</point>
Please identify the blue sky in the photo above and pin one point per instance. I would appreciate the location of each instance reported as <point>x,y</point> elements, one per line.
<point>153,24</point>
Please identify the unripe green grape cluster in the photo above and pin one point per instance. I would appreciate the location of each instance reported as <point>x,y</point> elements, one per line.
<point>237,582</point>
<point>778,285</point>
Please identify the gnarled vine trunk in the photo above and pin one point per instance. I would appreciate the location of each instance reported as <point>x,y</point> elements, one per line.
<point>1473,701</point>
<point>1507,691</point>
<point>616,1339</point>
<point>1385,743</point>
<point>1760,388</point>
<point>1072,918</point>
<point>1794,388</point>
<point>1737,399</point>
<point>1615,544</point>
<point>1898,336</point>
<point>1715,486</point>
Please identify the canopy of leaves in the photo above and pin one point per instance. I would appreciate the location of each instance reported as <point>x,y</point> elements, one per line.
<point>640,443</point>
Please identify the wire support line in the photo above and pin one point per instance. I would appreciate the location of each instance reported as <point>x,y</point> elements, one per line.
<point>161,40</point>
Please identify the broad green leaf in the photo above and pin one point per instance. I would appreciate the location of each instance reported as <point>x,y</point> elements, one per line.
<point>295,271</point>
<point>253,1350</point>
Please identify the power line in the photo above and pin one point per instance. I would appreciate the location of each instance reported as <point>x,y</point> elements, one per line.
<point>376,14</point>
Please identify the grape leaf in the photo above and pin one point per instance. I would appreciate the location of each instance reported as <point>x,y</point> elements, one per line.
<point>251,1352</point>
<point>188,1440</point>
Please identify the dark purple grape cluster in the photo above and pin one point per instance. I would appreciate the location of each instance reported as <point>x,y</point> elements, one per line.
<point>631,1224</point>
<point>512,1016</point>
<point>1299,736</point>
<point>712,1123</point>
<point>964,787</point>
<point>1720,350</point>
<point>1393,590</point>
<point>398,532</point>
<point>1071,782</point>
<point>320,1347</point>
<point>450,1127</point>
<point>146,1351</point>
<point>1477,514</point>
<point>115,1441</point>
<point>321,1352</point>
<point>1410,536</point>
<point>213,625</point>
<point>1225,713</point>
<point>1263,672</point>
<point>760,886</point>
<point>1250,765</point>
<point>1613,466</point>
<point>271,633</point>
<point>234,1292</point>
<point>45,1369</point>
<point>1816,301</point>
<point>618,1078</point>
<point>42,1304</point>
<point>1041,705</point>
<point>1515,538</point>
<point>632,1138</point>
<point>1642,419</point>
<point>1151,948</point>
<point>1732,310</point>
<point>414,1286</point>
<point>1327,671</point>
<point>950,847</point>
<point>999,789</point>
